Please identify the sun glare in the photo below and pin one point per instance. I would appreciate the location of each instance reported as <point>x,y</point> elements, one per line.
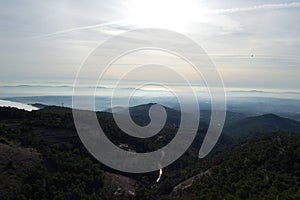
<point>171,14</point>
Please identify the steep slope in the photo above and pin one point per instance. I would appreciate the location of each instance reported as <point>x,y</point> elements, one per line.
<point>15,162</point>
<point>265,168</point>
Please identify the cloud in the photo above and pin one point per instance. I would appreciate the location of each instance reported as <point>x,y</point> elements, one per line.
<point>258,8</point>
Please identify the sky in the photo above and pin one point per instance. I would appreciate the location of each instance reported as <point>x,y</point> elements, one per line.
<point>254,44</point>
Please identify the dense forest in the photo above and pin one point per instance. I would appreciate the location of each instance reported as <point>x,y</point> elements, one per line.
<point>43,158</point>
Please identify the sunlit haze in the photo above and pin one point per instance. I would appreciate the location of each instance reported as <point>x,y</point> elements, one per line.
<point>247,40</point>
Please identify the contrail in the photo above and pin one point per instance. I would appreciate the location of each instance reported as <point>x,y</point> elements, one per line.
<point>257,7</point>
<point>79,28</point>
<point>68,31</point>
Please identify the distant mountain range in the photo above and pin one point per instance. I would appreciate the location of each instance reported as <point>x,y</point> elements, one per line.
<point>141,112</point>
<point>247,106</point>
<point>253,126</point>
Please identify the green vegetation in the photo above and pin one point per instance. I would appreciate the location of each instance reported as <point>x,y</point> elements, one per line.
<point>266,166</point>
<point>250,127</point>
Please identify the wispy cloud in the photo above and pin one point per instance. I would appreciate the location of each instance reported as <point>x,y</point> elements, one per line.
<point>258,7</point>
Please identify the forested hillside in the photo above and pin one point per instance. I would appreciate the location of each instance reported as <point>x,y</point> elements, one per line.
<point>43,158</point>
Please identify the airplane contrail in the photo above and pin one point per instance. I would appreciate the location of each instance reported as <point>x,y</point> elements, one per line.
<point>68,31</point>
<point>257,7</point>
<point>80,28</point>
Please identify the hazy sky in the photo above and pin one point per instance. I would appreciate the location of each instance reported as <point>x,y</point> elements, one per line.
<point>46,41</point>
